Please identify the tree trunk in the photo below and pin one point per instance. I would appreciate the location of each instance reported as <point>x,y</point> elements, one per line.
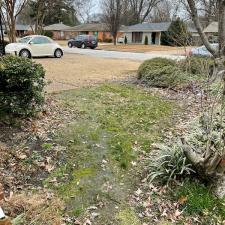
<point>114,39</point>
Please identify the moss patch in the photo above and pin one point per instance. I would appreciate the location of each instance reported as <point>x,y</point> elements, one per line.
<point>128,217</point>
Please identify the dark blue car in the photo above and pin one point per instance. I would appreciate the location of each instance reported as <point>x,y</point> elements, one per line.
<point>83,41</point>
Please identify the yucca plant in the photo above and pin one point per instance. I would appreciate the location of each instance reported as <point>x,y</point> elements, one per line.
<point>168,163</point>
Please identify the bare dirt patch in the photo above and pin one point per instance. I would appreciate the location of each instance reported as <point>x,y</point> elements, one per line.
<point>75,70</point>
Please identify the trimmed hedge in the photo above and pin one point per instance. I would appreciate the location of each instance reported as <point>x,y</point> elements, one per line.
<point>21,86</point>
<point>161,72</point>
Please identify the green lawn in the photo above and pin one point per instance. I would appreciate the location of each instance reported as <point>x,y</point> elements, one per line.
<point>101,167</point>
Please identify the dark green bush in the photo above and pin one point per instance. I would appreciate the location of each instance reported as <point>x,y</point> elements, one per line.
<point>108,41</point>
<point>21,86</point>
<point>146,40</point>
<point>48,33</point>
<point>197,65</point>
<point>177,34</point>
<point>125,40</point>
<point>160,72</point>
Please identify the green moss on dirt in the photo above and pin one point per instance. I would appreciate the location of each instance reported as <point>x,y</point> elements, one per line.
<point>115,123</point>
<point>128,217</point>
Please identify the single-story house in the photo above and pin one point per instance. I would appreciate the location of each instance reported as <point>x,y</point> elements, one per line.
<point>195,37</point>
<point>61,31</point>
<point>136,33</point>
<point>21,30</point>
<point>212,31</point>
<point>100,30</point>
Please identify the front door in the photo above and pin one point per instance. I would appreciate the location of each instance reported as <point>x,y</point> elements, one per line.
<point>137,37</point>
<point>153,38</point>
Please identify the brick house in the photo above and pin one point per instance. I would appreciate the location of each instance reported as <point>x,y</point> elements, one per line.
<point>61,31</point>
<point>100,30</point>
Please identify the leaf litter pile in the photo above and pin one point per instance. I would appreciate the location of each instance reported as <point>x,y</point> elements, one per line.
<point>29,156</point>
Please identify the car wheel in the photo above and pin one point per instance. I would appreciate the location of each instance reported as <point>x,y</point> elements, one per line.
<point>25,53</point>
<point>83,46</point>
<point>70,45</point>
<point>58,53</point>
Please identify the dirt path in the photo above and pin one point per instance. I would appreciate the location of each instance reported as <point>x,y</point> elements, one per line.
<point>74,71</point>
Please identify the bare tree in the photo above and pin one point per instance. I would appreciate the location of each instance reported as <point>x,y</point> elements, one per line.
<point>209,9</point>
<point>141,9</point>
<point>162,12</point>
<point>84,9</point>
<point>112,10</point>
<point>210,163</point>
<point>10,9</point>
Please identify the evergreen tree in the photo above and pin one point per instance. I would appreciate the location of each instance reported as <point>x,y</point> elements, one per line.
<point>146,40</point>
<point>177,34</point>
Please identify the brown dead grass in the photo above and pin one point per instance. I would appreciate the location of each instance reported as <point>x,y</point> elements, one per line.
<point>36,209</point>
<point>160,49</point>
<point>75,70</point>
<point>157,49</point>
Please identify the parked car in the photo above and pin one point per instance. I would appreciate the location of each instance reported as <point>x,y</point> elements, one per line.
<point>83,41</point>
<point>121,40</point>
<point>35,46</point>
<point>202,51</point>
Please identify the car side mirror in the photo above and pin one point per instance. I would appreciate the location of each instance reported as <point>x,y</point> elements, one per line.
<point>31,42</point>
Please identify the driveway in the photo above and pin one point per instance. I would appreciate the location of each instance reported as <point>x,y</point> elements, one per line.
<point>120,55</point>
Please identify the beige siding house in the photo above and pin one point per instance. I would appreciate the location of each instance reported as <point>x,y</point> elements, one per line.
<point>212,31</point>
<point>136,34</point>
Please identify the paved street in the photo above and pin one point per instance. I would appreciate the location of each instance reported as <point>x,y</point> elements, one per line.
<point>118,55</point>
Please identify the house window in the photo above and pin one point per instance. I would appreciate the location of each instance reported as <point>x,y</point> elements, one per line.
<point>137,37</point>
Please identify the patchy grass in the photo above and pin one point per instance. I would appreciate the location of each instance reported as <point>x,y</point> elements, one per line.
<point>128,217</point>
<point>199,201</point>
<point>115,123</point>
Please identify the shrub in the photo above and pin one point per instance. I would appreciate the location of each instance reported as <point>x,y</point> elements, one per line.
<point>197,65</point>
<point>108,40</point>
<point>21,86</point>
<point>177,34</point>
<point>125,40</point>
<point>169,163</point>
<point>146,40</point>
<point>48,33</point>
<point>160,72</point>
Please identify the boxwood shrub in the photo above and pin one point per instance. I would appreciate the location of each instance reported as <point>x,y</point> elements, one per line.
<point>21,86</point>
<point>161,72</point>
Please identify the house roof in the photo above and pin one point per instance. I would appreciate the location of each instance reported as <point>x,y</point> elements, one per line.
<point>19,27</point>
<point>57,27</point>
<point>90,27</point>
<point>191,28</point>
<point>149,27</point>
<point>212,28</point>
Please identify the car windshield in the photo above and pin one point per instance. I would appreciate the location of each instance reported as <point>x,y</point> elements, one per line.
<point>25,40</point>
<point>80,38</point>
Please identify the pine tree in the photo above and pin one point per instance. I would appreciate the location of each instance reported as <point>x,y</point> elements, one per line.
<point>177,34</point>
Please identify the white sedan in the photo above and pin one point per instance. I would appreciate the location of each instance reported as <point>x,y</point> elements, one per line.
<point>35,46</point>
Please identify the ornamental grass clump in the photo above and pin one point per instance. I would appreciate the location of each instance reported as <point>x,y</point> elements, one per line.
<point>168,163</point>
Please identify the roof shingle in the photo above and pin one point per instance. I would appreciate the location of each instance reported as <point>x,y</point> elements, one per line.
<point>149,27</point>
